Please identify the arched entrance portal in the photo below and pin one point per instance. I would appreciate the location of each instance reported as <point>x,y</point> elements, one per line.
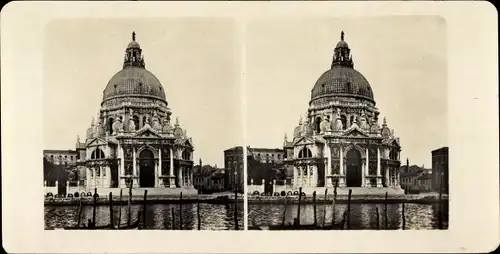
<point>146,169</point>
<point>353,163</point>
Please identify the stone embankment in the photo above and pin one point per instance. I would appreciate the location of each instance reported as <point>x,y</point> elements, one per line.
<point>153,199</point>
<point>342,199</point>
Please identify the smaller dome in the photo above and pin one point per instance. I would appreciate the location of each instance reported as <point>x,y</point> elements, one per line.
<point>297,132</point>
<point>342,44</point>
<point>134,44</point>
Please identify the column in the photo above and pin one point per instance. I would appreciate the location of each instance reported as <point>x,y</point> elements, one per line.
<point>363,179</point>
<point>122,168</point>
<point>95,178</point>
<point>315,176</point>
<point>67,187</point>
<point>367,172</point>
<point>295,177</point>
<point>341,169</point>
<point>398,179</point>
<point>387,177</point>
<point>89,178</point>
<point>379,179</point>
<point>328,171</point>
<point>191,177</point>
<point>134,169</point>
<point>158,179</point>
<point>101,175</point>
<point>171,171</point>
<point>181,180</point>
<point>301,178</point>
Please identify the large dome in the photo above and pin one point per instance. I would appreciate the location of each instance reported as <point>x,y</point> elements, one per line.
<point>342,80</point>
<point>134,81</point>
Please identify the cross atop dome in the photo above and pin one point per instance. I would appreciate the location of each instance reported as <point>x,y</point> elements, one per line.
<point>342,35</point>
<point>133,35</point>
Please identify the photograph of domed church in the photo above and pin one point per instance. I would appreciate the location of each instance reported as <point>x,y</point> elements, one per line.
<point>136,146</point>
<point>383,91</point>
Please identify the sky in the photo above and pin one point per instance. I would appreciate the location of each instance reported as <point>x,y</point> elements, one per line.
<point>197,60</point>
<point>404,58</point>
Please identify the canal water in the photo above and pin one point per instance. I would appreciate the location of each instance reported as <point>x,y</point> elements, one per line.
<point>363,216</point>
<point>158,216</point>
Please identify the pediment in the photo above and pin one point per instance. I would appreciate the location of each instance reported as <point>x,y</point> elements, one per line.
<point>355,132</point>
<point>304,141</point>
<point>97,141</point>
<point>147,132</point>
<point>185,142</point>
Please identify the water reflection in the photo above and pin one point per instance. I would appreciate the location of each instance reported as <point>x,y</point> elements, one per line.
<point>158,216</point>
<point>363,216</point>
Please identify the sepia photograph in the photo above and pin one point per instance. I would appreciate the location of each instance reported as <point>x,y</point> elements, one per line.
<point>117,151</point>
<point>249,127</point>
<point>355,133</point>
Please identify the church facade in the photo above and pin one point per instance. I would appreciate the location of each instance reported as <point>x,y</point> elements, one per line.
<point>340,140</point>
<point>133,140</point>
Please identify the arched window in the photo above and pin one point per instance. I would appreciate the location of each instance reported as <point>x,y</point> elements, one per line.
<point>97,154</point>
<point>144,121</point>
<point>317,123</point>
<point>109,127</point>
<point>136,122</point>
<point>344,122</point>
<point>393,154</point>
<point>186,155</point>
<point>305,153</point>
<point>353,118</point>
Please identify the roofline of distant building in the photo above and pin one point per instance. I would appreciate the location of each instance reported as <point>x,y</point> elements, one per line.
<point>440,149</point>
<point>58,151</point>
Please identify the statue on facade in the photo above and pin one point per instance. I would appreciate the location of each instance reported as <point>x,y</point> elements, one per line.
<point>374,127</point>
<point>325,125</point>
<point>363,123</point>
<point>156,123</point>
<point>167,128</point>
<point>131,125</point>
<point>338,126</point>
<point>99,129</point>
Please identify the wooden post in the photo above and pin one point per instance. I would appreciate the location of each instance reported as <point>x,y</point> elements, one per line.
<point>111,222</point>
<point>298,207</point>
<point>95,205</point>
<point>120,205</point>
<point>324,211</point>
<point>180,212</point>
<point>441,202</point>
<point>198,213</point>
<point>378,218</point>
<point>385,211</point>
<point>173,219</point>
<point>403,215</point>
<point>284,212</point>
<point>236,205</point>
<point>334,201</point>
<point>144,209</point>
<point>314,206</point>
<point>349,210</point>
<point>79,212</point>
